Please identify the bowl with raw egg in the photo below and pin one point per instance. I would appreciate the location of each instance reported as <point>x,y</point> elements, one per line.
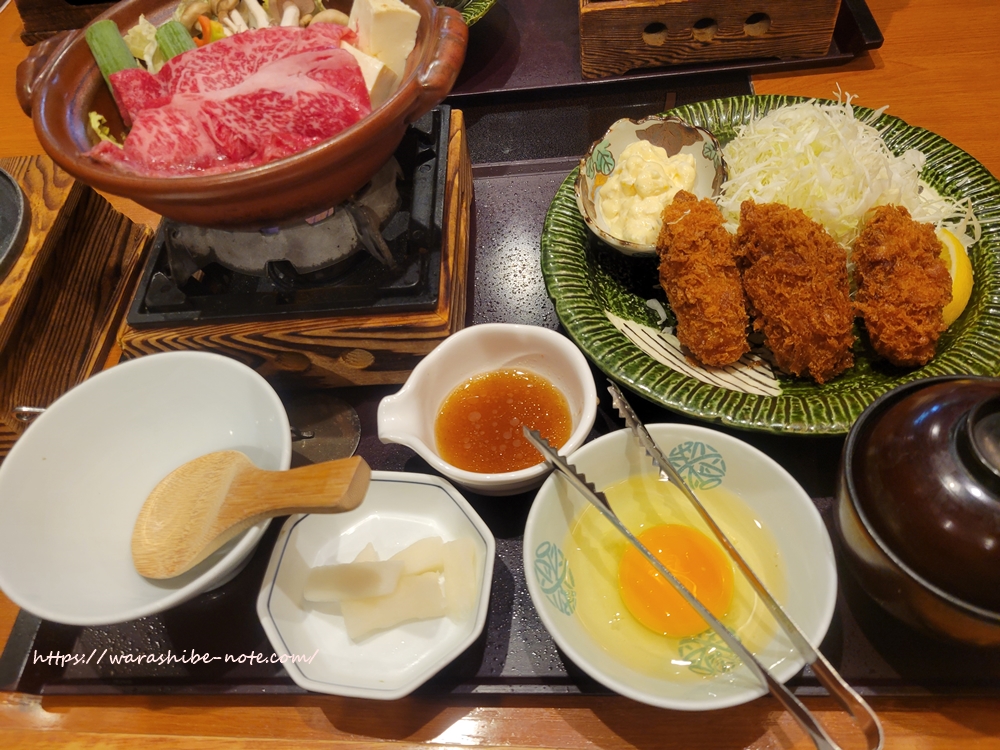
<point>464,404</point>
<point>629,175</point>
<point>624,625</point>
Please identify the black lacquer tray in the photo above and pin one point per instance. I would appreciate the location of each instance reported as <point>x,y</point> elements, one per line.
<point>530,47</point>
<point>515,655</point>
<point>525,135</point>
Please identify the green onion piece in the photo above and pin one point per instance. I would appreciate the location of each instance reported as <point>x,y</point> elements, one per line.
<point>109,49</point>
<point>172,39</point>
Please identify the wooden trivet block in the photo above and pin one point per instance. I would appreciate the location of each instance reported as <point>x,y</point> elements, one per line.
<point>324,352</point>
<point>43,18</point>
<point>617,36</point>
<point>65,294</point>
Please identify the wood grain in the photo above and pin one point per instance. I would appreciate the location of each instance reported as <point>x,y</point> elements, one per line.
<point>935,71</point>
<point>43,18</point>
<point>204,503</point>
<point>608,723</point>
<point>925,73</point>
<point>50,195</point>
<point>326,352</point>
<point>75,299</point>
<point>17,136</point>
<point>624,35</point>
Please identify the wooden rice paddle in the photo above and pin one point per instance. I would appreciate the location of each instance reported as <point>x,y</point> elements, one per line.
<point>203,504</point>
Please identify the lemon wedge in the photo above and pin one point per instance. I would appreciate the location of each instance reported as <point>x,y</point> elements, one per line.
<point>957,260</point>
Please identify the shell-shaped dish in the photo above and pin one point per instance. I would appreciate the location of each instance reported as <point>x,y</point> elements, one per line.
<point>670,133</point>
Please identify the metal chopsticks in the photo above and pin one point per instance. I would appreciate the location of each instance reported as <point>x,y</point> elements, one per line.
<point>853,703</point>
<point>794,706</point>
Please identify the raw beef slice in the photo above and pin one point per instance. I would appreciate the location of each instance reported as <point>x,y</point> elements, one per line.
<point>238,103</point>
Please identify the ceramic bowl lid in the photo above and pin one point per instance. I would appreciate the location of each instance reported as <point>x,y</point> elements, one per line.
<point>923,466</point>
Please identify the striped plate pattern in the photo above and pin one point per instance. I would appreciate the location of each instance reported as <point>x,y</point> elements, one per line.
<point>475,10</point>
<point>587,280</point>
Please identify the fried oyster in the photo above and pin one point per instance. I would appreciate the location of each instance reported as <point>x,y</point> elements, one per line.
<point>903,285</point>
<point>699,275</point>
<point>795,278</point>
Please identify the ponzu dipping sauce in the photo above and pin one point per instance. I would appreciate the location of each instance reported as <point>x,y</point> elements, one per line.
<point>478,427</point>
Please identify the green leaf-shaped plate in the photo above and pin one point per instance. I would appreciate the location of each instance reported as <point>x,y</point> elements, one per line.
<point>476,10</point>
<point>594,288</point>
<point>472,10</point>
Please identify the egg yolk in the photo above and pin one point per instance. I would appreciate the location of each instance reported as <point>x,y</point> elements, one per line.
<point>695,560</point>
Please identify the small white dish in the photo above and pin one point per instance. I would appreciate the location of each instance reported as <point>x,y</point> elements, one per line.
<point>804,567</point>
<point>72,486</point>
<point>670,133</point>
<point>408,416</point>
<point>399,509</point>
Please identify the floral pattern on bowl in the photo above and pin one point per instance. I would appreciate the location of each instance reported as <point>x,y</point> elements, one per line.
<point>700,465</point>
<point>673,135</point>
<point>555,577</point>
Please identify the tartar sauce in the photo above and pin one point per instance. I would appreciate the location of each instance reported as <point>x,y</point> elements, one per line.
<point>643,181</point>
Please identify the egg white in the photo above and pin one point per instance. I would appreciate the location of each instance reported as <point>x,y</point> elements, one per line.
<point>594,548</point>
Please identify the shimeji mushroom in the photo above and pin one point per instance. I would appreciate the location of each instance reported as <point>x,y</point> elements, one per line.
<point>258,16</point>
<point>189,16</point>
<point>291,10</point>
<point>222,8</point>
<point>330,16</point>
<point>234,22</point>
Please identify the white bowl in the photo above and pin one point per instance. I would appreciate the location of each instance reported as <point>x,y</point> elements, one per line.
<point>407,417</point>
<point>72,486</point>
<point>670,133</point>
<point>399,509</point>
<point>808,592</point>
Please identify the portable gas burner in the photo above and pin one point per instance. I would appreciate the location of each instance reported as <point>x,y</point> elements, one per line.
<point>354,296</point>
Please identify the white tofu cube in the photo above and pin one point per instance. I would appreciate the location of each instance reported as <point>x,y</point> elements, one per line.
<point>379,79</point>
<point>387,30</point>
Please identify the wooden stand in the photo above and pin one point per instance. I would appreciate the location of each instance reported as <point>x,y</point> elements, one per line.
<point>350,350</point>
<point>621,35</point>
<point>43,18</point>
<point>66,293</point>
<point>63,303</point>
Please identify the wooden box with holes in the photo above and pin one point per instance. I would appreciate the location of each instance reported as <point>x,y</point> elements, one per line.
<point>617,36</point>
<point>43,18</point>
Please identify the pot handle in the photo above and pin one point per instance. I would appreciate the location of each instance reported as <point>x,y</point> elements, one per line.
<point>977,441</point>
<point>451,37</point>
<point>31,68</point>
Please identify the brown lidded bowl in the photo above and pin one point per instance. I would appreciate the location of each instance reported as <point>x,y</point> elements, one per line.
<point>59,84</point>
<point>919,505</point>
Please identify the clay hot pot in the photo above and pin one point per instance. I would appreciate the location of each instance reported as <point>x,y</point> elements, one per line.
<point>59,84</point>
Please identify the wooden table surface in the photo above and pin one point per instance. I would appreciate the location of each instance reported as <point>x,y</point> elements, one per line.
<point>936,70</point>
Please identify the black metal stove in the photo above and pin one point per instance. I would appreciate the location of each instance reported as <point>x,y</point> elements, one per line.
<point>379,252</point>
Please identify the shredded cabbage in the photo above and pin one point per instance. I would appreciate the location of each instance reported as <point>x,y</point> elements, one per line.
<point>141,42</point>
<point>100,126</point>
<point>819,158</point>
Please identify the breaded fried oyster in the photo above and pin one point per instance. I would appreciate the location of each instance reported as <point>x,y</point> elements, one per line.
<point>903,285</point>
<point>795,278</point>
<point>698,272</point>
